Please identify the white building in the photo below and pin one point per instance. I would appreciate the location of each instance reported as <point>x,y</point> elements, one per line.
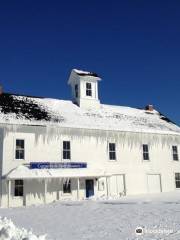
<point>54,149</point>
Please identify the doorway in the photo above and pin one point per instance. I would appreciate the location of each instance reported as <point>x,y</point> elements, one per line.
<point>89,188</point>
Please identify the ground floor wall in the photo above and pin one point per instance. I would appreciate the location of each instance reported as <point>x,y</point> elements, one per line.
<point>114,186</point>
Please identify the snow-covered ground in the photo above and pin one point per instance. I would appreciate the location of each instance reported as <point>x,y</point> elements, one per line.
<point>158,215</point>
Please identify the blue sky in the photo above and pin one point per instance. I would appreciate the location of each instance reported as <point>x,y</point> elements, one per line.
<point>133,45</point>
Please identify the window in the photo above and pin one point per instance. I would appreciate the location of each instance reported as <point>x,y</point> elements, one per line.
<point>175,153</point>
<point>66,150</point>
<point>19,149</point>
<point>67,186</point>
<point>177,180</point>
<point>18,188</point>
<point>145,152</point>
<point>112,151</point>
<point>88,89</point>
<point>76,90</point>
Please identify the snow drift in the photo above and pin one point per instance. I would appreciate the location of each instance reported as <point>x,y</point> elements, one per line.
<point>8,231</point>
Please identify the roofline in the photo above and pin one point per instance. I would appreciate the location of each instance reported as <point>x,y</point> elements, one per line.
<point>23,95</point>
<point>88,77</point>
<point>170,133</point>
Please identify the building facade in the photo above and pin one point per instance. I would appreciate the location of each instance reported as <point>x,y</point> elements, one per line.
<point>57,150</point>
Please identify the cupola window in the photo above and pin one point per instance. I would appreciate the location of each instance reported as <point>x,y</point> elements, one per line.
<point>88,89</point>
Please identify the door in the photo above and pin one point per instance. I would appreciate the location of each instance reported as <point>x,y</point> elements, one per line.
<point>117,185</point>
<point>154,183</point>
<point>89,188</point>
<point>113,186</point>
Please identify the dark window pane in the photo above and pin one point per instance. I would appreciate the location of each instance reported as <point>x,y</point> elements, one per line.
<point>175,157</point>
<point>88,93</point>
<point>66,145</point>
<point>66,155</point>
<point>76,91</point>
<point>17,154</point>
<point>88,86</point>
<point>177,176</point>
<point>88,89</point>
<point>21,154</point>
<point>112,156</point>
<point>145,156</point>
<point>174,149</point>
<point>145,148</point>
<point>177,184</point>
<point>19,143</point>
<point>112,147</point>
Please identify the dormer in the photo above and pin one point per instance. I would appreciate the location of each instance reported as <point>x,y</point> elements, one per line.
<point>84,86</point>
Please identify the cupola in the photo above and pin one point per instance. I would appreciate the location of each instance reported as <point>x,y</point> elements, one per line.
<point>84,86</point>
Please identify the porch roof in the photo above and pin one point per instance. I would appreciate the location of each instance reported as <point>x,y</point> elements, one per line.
<point>24,172</point>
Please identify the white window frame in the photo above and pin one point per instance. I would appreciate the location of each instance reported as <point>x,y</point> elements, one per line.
<point>15,149</point>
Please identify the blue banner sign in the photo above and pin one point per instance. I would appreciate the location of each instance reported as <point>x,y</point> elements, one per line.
<point>56,165</point>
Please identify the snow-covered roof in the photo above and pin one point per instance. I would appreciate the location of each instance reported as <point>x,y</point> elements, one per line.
<point>85,73</point>
<point>27,110</point>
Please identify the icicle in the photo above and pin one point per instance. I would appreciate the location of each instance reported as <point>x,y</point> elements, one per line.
<point>132,139</point>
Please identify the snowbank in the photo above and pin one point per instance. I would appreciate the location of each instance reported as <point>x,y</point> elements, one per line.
<point>8,231</point>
